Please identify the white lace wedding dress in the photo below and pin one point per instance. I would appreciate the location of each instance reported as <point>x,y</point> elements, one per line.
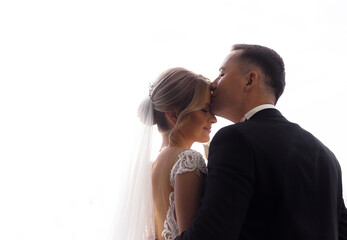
<point>188,161</point>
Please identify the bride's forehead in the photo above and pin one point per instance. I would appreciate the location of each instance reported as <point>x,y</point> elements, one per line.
<point>208,96</point>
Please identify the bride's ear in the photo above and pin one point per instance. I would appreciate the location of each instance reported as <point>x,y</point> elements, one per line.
<point>172,117</point>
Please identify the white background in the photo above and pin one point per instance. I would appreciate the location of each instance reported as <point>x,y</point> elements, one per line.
<point>73,72</point>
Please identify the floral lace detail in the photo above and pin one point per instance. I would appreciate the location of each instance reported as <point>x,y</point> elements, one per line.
<point>188,161</point>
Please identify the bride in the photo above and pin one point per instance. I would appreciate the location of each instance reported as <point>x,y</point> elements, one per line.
<point>179,104</point>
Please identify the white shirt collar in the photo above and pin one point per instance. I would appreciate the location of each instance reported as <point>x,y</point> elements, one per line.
<point>253,111</point>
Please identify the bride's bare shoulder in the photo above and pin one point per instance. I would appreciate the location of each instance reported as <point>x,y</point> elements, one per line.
<point>167,157</point>
<point>171,152</point>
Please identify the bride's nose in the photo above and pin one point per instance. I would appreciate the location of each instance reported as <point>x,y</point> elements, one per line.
<point>213,118</point>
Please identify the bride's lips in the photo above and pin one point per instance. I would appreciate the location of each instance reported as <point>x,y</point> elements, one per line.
<point>208,129</point>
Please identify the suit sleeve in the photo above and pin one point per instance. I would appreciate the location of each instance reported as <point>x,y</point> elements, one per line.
<point>229,188</point>
<point>343,223</point>
<point>342,220</point>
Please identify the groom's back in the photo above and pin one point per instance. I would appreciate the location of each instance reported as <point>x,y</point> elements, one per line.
<point>270,179</point>
<point>297,183</point>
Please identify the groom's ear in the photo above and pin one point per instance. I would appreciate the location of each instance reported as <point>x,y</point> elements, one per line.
<point>250,80</point>
<point>172,117</point>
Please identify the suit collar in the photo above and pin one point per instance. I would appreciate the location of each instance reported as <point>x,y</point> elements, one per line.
<point>253,111</point>
<point>266,114</point>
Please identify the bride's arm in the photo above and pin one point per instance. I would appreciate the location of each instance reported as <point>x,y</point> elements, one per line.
<point>188,193</point>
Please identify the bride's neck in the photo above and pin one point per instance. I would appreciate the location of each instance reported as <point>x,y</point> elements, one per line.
<point>177,140</point>
<point>165,141</point>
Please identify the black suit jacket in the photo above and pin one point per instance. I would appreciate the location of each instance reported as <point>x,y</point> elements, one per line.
<point>270,179</point>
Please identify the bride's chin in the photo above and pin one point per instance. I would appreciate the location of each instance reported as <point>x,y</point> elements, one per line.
<point>206,139</point>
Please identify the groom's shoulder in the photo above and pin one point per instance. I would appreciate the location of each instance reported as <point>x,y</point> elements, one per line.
<point>230,130</point>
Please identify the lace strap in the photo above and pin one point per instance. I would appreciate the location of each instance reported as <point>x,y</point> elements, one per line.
<point>188,161</point>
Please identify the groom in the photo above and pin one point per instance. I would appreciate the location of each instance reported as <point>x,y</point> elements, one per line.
<point>267,177</point>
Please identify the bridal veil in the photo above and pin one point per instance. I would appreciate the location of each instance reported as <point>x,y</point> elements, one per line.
<point>135,214</point>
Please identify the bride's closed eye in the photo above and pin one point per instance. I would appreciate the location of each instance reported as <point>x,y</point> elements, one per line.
<point>205,110</point>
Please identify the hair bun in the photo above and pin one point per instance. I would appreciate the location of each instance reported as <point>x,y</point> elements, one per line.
<point>145,112</point>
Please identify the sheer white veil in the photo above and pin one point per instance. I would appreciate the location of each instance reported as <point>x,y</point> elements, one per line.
<point>135,213</point>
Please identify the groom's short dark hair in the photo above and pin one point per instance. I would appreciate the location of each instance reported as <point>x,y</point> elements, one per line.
<point>269,61</point>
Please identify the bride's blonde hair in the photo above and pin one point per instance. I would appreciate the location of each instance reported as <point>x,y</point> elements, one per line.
<point>176,90</point>
<point>179,90</point>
